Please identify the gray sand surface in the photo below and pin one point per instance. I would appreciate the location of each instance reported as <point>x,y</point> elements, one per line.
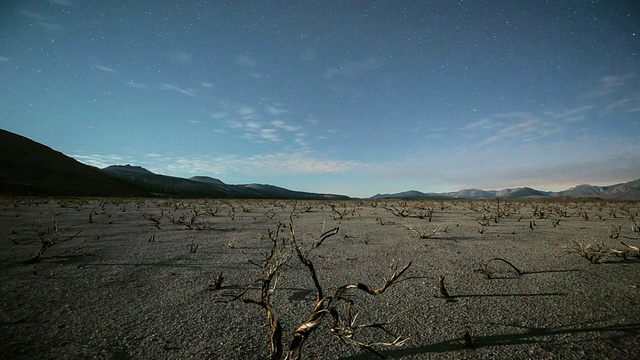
<point>111,293</point>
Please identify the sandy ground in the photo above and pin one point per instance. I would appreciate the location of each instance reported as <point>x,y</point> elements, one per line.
<point>123,288</point>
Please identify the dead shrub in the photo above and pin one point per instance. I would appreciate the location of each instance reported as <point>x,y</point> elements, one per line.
<point>595,252</point>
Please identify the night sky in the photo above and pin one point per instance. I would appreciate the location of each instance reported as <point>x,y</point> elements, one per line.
<point>349,97</point>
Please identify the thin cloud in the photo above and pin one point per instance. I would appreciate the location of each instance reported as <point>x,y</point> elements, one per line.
<point>252,125</point>
<point>283,125</point>
<point>42,21</point>
<point>246,61</point>
<point>5,59</point>
<point>350,69</point>
<point>513,126</point>
<point>220,115</point>
<point>207,85</point>
<point>571,115</point>
<point>248,113</point>
<point>234,124</point>
<point>181,58</point>
<point>99,161</point>
<point>264,164</point>
<point>610,84</point>
<point>104,68</point>
<point>66,3</point>
<point>269,134</point>
<point>275,110</point>
<point>307,55</point>
<point>135,85</point>
<point>188,92</point>
<point>301,140</point>
<point>629,104</point>
<point>525,130</point>
<point>483,124</point>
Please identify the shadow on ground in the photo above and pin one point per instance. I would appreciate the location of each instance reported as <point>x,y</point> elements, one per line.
<point>531,335</point>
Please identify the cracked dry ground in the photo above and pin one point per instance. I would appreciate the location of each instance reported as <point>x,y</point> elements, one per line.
<point>132,279</point>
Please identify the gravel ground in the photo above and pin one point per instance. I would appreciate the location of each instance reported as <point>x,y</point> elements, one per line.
<point>122,288</point>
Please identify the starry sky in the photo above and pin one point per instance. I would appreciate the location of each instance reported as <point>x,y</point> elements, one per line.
<point>349,97</point>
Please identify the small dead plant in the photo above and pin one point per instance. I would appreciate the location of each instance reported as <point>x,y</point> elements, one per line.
<point>193,248</point>
<point>595,252</point>
<point>443,293</point>
<point>424,233</point>
<point>216,282</point>
<point>614,231</point>
<point>52,236</point>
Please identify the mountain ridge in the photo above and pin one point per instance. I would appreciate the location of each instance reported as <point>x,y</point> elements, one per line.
<point>30,168</point>
<point>620,191</point>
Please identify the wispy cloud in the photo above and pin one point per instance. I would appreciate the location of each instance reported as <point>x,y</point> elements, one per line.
<point>248,113</point>
<point>301,140</point>
<point>483,124</point>
<point>5,59</point>
<point>629,104</point>
<point>66,3</point>
<point>521,126</point>
<point>135,85</point>
<point>246,61</point>
<point>352,68</point>
<point>269,134</point>
<point>99,161</point>
<point>265,164</point>
<point>104,68</point>
<point>207,85</point>
<point>307,55</point>
<point>283,125</point>
<point>42,21</point>
<point>183,91</point>
<point>220,115</point>
<point>258,123</point>
<point>252,125</point>
<point>610,84</point>
<point>275,110</point>
<point>572,115</point>
<point>181,57</point>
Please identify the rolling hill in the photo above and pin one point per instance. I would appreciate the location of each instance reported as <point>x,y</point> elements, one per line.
<point>204,186</point>
<point>30,168</point>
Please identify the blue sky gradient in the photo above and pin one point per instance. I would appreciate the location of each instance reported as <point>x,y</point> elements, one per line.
<point>349,97</point>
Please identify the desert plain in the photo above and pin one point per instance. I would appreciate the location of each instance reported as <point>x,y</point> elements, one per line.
<point>134,278</point>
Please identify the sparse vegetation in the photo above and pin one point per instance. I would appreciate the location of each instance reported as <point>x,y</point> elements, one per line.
<point>424,233</point>
<point>595,252</point>
<point>216,282</point>
<point>343,325</point>
<point>300,275</point>
<point>53,235</point>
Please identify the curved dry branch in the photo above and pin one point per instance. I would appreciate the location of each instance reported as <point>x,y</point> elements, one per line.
<point>489,271</point>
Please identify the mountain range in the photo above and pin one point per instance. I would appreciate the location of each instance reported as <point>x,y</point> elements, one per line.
<point>623,191</point>
<point>31,168</point>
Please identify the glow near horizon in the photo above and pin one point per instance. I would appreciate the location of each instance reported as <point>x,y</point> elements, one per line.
<point>339,97</point>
